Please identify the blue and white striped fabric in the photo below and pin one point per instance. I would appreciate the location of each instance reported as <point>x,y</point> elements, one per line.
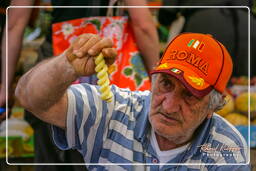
<point>119,133</point>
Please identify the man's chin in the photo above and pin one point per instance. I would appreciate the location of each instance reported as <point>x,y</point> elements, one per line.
<point>168,136</point>
<point>172,137</point>
<point>166,130</point>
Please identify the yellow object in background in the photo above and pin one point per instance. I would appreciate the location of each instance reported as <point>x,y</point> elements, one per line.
<point>229,106</point>
<point>237,119</point>
<point>241,102</point>
<point>102,74</point>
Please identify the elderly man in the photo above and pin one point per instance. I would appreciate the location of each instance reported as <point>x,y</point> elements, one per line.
<point>173,127</point>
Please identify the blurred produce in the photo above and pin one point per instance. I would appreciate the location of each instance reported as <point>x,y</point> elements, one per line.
<point>237,119</point>
<point>241,103</point>
<point>229,107</point>
<point>236,111</point>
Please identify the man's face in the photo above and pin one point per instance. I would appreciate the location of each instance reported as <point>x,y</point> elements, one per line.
<point>175,113</point>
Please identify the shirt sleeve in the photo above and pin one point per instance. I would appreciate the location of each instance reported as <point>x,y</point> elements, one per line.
<point>87,116</point>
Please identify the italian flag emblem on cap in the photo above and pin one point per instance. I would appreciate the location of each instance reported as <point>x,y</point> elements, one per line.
<point>196,44</point>
<point>176,71</point>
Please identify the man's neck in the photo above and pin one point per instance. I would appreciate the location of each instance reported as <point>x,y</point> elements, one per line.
<point>165,144</point>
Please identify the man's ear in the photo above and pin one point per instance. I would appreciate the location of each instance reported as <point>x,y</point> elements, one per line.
<point>209,115</point>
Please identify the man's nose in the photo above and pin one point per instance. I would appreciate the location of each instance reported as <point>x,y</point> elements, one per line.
<point>172,102</point>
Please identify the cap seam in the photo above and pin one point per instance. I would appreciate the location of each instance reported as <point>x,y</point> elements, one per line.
<point>222,64</point>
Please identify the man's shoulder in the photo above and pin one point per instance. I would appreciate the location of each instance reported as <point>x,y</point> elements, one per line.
<point>222,144</point>
<point>228,141</point>
<point>221,128</point>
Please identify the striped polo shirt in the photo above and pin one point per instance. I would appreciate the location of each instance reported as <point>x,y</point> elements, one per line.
<point>116,135</point>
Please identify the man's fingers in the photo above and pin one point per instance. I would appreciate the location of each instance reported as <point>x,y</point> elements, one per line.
<point>79,42</point>
<point>97,48</point>
<point>75,45</point>
<point>92,45</point>
<point>82,51</point>
<point>110,55</point>
<point>86,45</point>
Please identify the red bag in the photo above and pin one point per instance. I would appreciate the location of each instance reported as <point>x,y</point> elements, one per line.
<point>128,71</point>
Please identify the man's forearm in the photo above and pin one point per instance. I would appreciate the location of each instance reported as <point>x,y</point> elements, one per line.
<point>145,32</point>
<point>42,86</point>
<point>147,42</point>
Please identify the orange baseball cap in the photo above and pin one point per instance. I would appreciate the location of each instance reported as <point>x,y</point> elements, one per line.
<point>199,61</point>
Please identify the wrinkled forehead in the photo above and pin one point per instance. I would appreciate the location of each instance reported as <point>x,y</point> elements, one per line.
<point>160,76</point>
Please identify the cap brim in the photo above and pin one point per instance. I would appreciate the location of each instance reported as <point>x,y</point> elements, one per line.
<point>191,80</point>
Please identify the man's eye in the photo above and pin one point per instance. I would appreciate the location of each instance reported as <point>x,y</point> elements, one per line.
<point>188,94</point>
<point>190,98</point>
<point>166,84</point>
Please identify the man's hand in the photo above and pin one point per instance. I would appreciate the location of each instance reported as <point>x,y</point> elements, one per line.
<point>82,51</point>
<point>47,98</point>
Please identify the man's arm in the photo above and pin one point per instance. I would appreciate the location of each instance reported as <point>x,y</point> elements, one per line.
<point>145,32</point>
<point>17,21</point>
<point>42,90</point>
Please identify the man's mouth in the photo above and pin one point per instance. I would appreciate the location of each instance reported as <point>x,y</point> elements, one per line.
<point>168,117</point>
